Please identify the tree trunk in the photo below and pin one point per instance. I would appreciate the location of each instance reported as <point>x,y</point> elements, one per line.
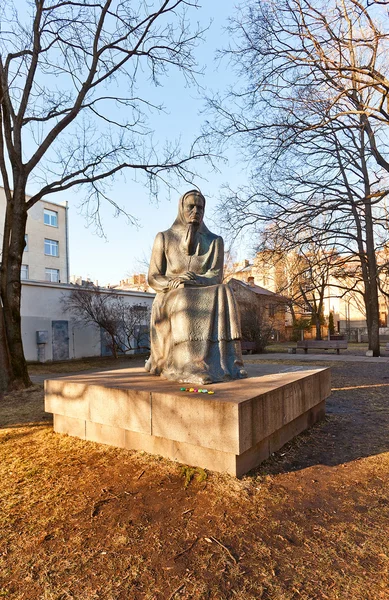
<point>113,346</point>
<point>318,327</point>
<point>372,319</point>
<point>5,363</point>
<point>371,296</point>
<point>370,279</point>
<point>10,287</point>
<point>371,288</point>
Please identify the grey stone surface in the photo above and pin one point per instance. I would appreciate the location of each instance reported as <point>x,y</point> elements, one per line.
<point>129,409</point>
<point>233,430</point>
<point>195,324</point>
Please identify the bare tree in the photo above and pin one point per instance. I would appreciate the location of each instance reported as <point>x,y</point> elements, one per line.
<point>134,330</point>
<point>228,266</point>
<point>75,82</point>
<point>295,53</point>
<point>125,325</point>
<point>257,327</point>
<point>323,199</point>
<point>303,275</point>
<point>309,279</point>
<point>311,119</point>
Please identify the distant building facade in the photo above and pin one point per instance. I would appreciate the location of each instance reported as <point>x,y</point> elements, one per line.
<point>79,280</point>
<point>46,253</point>
<point>49,332</point>
<point>137,281</point>
<point>269,308</point>
<point>272,271</point>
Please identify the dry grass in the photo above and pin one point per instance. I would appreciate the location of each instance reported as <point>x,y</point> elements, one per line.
<point>86,364</point>
<point>90,522</point>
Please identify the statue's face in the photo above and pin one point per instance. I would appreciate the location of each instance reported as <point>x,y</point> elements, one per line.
<point>193,209</point>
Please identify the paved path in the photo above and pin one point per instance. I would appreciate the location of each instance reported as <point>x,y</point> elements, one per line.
<point>323,357</point>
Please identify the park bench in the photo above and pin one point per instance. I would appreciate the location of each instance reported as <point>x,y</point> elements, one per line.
<point>322,345</point>
<point>248,347</point>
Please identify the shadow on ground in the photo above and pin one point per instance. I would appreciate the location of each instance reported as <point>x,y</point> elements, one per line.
<point>356,423</point>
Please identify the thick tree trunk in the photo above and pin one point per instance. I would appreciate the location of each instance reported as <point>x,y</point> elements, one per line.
<point>371,287</point>
<point>10,288</point>
<point>370,275</point>
<point>5,363</point>
<point>372,318</point>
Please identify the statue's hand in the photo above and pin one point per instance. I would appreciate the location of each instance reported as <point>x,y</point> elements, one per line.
<point>190,275</point>
<point>174,283</point>
<point>187,279</point>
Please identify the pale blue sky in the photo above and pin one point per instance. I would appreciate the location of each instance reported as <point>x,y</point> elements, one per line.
<point>111,258</point>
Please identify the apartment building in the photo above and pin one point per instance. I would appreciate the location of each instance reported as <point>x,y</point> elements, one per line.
<point>275,273</point>
<point>46,254</point>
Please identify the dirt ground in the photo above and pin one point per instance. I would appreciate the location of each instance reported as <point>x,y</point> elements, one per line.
<point>90,522</point>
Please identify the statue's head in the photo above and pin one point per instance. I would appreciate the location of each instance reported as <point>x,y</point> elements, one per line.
<point>193,207</point>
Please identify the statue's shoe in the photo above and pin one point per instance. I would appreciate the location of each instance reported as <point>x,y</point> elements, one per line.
<point>242,374</point>
<point>199,378</point>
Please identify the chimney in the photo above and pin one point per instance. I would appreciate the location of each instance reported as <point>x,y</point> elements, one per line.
<point>250,281</point>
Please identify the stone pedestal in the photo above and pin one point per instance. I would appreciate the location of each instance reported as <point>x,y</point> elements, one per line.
<point>232,431</point>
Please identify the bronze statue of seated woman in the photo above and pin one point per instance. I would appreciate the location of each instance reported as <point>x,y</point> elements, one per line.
<point>195,325</point>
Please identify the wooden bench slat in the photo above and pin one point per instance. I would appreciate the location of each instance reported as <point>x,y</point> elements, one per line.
<point>322,344</point>
<point>249,347</point>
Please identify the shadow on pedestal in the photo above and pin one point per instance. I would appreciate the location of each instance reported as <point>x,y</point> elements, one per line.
<point>232,431</point>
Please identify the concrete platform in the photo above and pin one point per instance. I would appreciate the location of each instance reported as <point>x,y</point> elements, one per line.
<point>231,431</point>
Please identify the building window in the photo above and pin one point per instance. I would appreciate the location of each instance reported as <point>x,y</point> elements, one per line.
<point>51,248</point>
<point>272,310</point>
<point>24,272</point>
<point>50,217</point>
<point>52,275</point>
<point>26,243</point>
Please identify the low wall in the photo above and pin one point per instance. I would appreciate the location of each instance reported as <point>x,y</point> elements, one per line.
<point>42,310</point>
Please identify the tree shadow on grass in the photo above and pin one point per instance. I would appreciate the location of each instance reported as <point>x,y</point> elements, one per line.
<point>19,430</point>
<point>24,408</point>
<point>356,426</point>
<point>356,423</point>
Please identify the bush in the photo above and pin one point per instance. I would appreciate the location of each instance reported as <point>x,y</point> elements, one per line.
<point>331,325</point>
<point>257,328</point>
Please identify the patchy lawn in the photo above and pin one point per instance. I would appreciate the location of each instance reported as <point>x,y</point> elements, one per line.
<point>90,522</point>
<point>86,364</point>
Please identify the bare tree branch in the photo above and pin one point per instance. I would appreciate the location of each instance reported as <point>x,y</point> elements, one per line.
<point>311,120</point>
<point>76,94</point>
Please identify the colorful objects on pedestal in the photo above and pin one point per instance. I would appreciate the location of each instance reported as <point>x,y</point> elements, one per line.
<point>196,390</point>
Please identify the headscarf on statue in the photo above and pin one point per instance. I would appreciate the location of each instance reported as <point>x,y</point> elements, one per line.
<point>190,231</point>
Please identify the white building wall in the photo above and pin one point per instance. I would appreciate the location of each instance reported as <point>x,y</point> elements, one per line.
<point>37,231</point>
<point>41,305</point>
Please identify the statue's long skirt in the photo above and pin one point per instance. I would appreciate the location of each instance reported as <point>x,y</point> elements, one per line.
<point>195,335</point>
